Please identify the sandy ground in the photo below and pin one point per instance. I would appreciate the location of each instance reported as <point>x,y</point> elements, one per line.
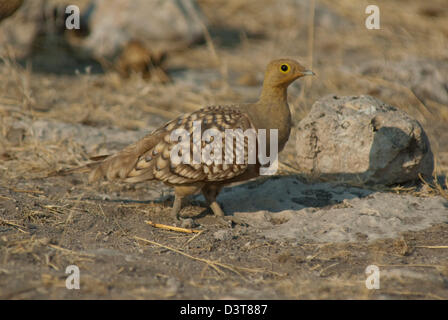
<point>301,238</point>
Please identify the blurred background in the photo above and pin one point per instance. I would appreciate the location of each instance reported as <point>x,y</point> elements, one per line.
<point>135,64</point>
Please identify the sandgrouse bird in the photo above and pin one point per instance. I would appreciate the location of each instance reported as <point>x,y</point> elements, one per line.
<point>150,158</point>
<point>8,7</point>
<point>136,58</point>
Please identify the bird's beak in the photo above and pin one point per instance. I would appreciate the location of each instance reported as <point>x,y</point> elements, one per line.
<point>308,73</point>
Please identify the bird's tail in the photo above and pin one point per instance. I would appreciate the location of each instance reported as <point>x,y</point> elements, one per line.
<point>97,161</point>
<point>118,165</point>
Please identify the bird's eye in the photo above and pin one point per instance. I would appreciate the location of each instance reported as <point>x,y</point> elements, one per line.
<point>284,68</point>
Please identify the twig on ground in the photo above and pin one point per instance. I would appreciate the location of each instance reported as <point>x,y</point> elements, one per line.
<point>171,228</point>
<point>194,237</point>
<point>26,191</point>
<point>433,247</point>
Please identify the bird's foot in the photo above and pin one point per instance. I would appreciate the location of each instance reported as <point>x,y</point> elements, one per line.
<point>176,215</point>
<point>187,223</point>
<point>230,221</point>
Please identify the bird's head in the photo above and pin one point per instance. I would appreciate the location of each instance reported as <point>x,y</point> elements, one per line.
<point>282,72</point>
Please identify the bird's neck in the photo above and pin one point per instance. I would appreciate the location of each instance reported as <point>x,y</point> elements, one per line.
<point>273,94</point>
<point>272,112</point>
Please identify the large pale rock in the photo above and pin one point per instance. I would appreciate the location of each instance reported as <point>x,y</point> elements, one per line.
<point>161,25</point>
<point>362,140</point>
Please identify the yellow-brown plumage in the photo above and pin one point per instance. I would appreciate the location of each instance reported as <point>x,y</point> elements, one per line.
<point>149,158</point>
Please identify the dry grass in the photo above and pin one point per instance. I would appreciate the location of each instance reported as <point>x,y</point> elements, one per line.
<point>215,265</point>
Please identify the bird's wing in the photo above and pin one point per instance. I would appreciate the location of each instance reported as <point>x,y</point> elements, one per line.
<point>119,165</point>
<point>150,158</point>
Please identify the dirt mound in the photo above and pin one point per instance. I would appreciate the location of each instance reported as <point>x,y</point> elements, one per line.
<point>288,209</point>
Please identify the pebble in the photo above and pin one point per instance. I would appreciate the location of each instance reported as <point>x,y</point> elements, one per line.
<point>222,235</point>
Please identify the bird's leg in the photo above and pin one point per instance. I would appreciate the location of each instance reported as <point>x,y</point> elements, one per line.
<point>210,193</point>
<point>177,205</point>
<point>181,193</point>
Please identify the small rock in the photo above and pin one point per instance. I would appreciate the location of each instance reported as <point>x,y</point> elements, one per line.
<point>15,136</point>
<point>222,235</point>
<point>173,285</point>
<point>362,140</point>
<point>105,197</point>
